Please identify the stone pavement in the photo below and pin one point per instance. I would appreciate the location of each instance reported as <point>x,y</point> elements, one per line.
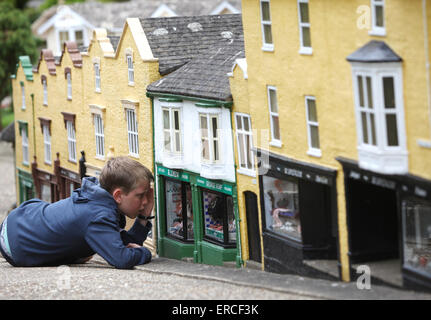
<point>7,179</point>
<point>168,279</point>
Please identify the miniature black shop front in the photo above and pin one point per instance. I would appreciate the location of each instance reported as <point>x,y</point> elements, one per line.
<point>298,205</point>
<point>389,218</point>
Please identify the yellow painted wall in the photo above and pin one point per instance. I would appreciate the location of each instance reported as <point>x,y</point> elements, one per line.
<point>326,75</point>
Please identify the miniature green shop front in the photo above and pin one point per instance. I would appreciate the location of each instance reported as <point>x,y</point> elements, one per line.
<point>198,218</point>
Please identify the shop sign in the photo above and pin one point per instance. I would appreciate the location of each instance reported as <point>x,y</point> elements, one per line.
<point>304,174</point>
<point>173,174</point>
<point>377,181</point>
<point>220,187</point>
<point>421,192</point>
<point>69,174</point>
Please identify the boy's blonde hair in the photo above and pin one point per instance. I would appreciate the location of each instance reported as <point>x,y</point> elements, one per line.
<point>124,173</point>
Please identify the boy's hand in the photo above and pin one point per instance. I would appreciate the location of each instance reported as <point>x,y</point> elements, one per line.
<point>150,202</point>
<point>133,245</point>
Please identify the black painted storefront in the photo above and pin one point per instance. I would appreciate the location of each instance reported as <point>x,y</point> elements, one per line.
<point>315,211</point>
<point>389,216</point>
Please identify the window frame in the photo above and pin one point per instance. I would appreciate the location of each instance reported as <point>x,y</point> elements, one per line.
<point>377,30</point>
<point>99,136</point>
<point>130,69</point>
<point>23,100</point>
<point>71,140</point>
<point>265,45</point>
<point>210,137</point>
<point>241,131</point>
<point>301,25</point>
<point>47,143</point>
<point>274,142</point>
<point>173,133</point>
<point>97,78</point>
<point>312,151</point>
<point>45,91</point>
<point>69,85</point>
<point>132,132</point>
<point>24,144</point>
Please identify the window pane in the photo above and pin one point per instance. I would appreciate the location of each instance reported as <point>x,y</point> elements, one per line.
<point>214,127</point>
<point>246,123</point>
<point>205,149</point>
<point>213,208</point>
<point>46,192</point>
<point>306,37</point>
<point>389,92</point>
<point>391,129</point>
<point>166,119</point>
<point>267,33</point>
<point>361,91</point>
<point>314,132</point>
<point>273,100</point>
<point>176,120</point>
<point>373,130</point>
<point>248,151</point>
<point>364,127</point>
<point>379,16</point>
<point>312,114</point>
<point>167,140</point>
<point>281,202</point>
<point>177,142</point>
<point>303,8</point>
<point>174,217</point>
<point>238,123</point>
<point>231,219</point>
<point>79,38</point>
<point>370,93</point>
<point>275,128</point>
<point>241,150</point>
<point>265,11</point>
<point>216,150</point>
<point>204,124</point>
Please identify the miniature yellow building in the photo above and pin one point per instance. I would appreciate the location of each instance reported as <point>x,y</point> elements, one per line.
<point>338,96</point>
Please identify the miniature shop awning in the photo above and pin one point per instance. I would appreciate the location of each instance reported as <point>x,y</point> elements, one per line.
<point>374,52</point>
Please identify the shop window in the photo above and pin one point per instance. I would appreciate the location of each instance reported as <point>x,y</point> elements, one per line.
<point>46,192</point>
<point>417,236</point>
<point>179,210</point>
<point>219,218</point>
<point>304,27</point>
<point>268,44</point>
<point>281,199</point>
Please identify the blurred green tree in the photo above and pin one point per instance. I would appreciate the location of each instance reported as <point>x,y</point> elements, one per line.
<point>16,40</point>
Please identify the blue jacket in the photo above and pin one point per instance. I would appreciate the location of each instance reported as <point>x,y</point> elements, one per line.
<point>41,233</point>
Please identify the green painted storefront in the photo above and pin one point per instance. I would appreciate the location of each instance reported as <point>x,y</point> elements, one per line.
<point>202,243</point>
<point>26,185</point>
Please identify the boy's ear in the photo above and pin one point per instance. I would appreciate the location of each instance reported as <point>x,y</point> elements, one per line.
<point>116,194</point>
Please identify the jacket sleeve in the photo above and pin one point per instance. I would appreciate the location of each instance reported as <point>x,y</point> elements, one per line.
<point>104,238</point>
<point>137,233</point>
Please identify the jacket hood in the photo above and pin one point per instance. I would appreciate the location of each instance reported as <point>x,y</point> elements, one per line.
<point>91,190</point>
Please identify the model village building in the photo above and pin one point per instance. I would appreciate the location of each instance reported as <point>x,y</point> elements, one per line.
<point>296,137</point>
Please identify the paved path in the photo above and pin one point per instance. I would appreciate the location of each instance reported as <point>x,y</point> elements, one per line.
<point>7,179</point>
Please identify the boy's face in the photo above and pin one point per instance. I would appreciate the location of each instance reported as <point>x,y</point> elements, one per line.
<point>134,202</point>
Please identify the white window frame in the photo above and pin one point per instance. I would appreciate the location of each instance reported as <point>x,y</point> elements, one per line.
<point>274,142</point>
<point>24,142</point>
<point>243,135</point>
<point>130,70</point>
<point>99,136</point>
<point>265,45</point>
<point>132,132</point>
<point>69,85</point>
<point>312,151</point>
<point>381,157</point>
<point>71,32</point>
<point>301,25</point>
<point>210,137</point>
<point>71,140</point>
<point>47,144</point>
<point>97,80</point>
<point>22,96</point>
<point>377,30</point>
<point>173,133</point>
<point>45,92</point>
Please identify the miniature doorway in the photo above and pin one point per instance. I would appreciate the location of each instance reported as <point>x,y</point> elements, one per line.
<point>254,246</point>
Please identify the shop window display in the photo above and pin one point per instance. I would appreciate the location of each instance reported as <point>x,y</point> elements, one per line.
<point>178,196</point>
<point>417,236</point>
<point>282,207</point>
<point>219,217</point>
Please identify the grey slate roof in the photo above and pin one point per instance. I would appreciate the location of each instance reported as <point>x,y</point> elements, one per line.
<point>113,15</point>
<point>205,76</point>
<point>374,51</point>
<point>114,41</point>
<point>176,40</point>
